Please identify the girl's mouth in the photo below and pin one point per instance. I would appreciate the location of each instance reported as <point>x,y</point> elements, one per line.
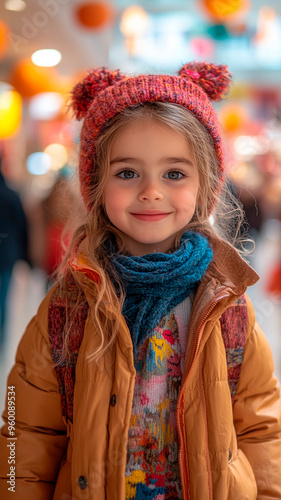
<point>151,217</point>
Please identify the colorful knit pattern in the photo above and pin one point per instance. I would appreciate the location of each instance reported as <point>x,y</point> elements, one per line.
<point>152,470</point>
<point>103,94</point>
<point>65,369</point>
<point>234,326</point>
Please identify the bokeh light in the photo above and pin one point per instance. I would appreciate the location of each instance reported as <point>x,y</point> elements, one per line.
<point>58,154</point>
<point>38,163</point>
<point>10,112</point>
<point>45,106</point>
<point>46,57</point>
<point>134,21</point>
<point>15,5</point>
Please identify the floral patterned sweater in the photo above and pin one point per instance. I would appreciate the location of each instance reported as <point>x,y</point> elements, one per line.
<point>152,470</point>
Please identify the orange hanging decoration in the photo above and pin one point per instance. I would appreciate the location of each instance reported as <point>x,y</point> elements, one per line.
<point>94,15</point>
<point>29,79</point>
<point>224,9</point>
<point>4,33</point>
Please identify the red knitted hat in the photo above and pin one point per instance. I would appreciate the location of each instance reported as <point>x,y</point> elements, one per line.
<point>102,94</point>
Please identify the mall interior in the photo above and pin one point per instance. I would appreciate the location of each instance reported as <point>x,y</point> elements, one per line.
<point>47,46</point>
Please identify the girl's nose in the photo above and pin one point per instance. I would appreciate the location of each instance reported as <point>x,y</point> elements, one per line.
<point>150,191</point>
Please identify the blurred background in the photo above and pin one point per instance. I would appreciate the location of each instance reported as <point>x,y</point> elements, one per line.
<point>47,45</point>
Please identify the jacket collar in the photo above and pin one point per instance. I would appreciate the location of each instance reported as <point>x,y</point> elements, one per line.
<point>227,278</point>
<point>78,262</point>
<point>229,268</point>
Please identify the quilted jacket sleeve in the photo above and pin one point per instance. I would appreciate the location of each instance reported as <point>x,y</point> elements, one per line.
<point>257,413</point>
<point>40,440</point>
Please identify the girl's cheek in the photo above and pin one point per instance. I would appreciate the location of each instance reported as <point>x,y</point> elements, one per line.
<point>115,198</point>
<point>116,201</point>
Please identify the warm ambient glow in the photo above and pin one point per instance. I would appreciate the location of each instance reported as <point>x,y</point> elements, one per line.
<point>46,57</point>
<point>10,111</point>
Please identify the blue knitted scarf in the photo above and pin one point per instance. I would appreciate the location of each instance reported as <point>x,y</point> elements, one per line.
<point>157,282</point>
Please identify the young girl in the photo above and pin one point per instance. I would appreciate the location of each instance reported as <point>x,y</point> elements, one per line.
<point>143,374</point>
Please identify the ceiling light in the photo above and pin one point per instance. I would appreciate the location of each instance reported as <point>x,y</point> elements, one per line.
<point>46,57</point>
<point>134,21</point>
<point>16,5</point>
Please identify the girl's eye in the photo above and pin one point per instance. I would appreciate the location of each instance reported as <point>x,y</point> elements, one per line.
<point>127,174</point>
<point>174,175</point>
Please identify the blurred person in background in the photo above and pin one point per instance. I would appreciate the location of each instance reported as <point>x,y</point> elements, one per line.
<point>47,222</point>
<point>13,243</point>
<point>273,284</point>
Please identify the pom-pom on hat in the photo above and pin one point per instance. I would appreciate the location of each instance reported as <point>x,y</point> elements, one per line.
<point>102,94</point>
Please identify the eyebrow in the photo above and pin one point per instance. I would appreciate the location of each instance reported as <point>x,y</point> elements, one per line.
<point>176,159</point>
<point>122,159</point>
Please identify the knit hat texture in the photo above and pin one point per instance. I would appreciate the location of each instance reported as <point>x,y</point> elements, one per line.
<point>102,94</point>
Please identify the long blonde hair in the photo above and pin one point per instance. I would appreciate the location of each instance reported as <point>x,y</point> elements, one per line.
<point>90,235</point>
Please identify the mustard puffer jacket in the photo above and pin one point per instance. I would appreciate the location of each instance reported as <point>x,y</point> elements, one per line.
<point>227,451</point>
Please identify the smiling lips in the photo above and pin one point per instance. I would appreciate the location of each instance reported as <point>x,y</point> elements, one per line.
<point>150,216</point>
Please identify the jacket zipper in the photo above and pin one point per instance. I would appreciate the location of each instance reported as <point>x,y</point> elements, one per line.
<point>180,420</point>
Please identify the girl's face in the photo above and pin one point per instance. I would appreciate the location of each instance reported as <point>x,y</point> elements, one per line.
<point>152,188</point>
